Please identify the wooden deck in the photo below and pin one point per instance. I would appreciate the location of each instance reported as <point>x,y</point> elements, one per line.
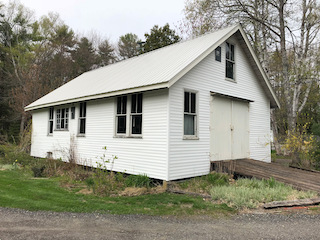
<point>298,178</point>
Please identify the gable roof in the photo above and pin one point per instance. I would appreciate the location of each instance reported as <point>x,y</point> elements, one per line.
<point>157,69</point>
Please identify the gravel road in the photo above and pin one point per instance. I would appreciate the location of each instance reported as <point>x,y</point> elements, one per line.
<point>22,224</point>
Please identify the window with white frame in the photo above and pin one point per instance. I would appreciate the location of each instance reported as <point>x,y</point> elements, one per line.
<point>82,118</point>
<point>50,126</point>
<point>230,61</point>
<point>129,122</point>
<point>121,116</point>
<point>136,113</point>
<point>62,119</point>
<point>190,113</point>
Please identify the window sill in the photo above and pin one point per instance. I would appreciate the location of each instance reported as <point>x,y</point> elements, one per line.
<point>81,135</point>
<point>231,80</point>
<point>122,136</point>
<point>61,130</point>
<point>50,135</point>
<point>186,137</point>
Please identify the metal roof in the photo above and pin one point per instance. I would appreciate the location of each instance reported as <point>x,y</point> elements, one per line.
<point>153,70</point>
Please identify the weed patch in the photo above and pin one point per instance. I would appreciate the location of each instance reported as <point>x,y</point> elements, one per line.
<point>250,193</point>
<point>204,183</point>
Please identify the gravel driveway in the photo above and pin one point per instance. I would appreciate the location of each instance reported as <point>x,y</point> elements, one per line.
<point>21,224</point>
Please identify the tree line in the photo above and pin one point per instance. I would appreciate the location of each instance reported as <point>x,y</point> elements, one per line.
<point>39,55</point>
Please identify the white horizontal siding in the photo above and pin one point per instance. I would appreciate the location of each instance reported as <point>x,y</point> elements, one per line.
<point>147,155</point>
<point>189,158</point>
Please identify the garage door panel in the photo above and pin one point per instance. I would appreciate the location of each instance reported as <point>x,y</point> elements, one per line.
<point>220,122</point>
<point>240,134</point>
<point>229,125</point>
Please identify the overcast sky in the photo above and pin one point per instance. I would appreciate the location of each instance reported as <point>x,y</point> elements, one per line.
<point>111,18</point>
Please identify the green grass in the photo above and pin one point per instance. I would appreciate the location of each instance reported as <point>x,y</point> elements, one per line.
<point>204,183</point>
<point>252,192</point>
<point>18,189</point>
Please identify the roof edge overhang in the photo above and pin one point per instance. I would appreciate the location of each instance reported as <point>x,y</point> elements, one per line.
<point>99,96</point>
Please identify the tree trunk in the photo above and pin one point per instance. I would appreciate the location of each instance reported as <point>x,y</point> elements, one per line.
<point>275,133</point>
<point>22,124</point>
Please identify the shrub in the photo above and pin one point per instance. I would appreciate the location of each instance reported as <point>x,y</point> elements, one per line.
<point>10,153</point>
<point>38,171</point>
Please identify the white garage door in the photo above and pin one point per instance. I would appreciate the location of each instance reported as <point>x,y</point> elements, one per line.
<point>229,126</point>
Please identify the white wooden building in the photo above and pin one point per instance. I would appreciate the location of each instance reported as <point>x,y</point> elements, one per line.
<point>166,113</point>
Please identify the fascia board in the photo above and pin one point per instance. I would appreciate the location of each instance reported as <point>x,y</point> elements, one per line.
<point>99,96</point>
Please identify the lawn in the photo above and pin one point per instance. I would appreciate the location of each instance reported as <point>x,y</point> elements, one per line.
<point>18,189</point>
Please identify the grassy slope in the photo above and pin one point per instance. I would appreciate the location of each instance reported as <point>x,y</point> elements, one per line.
<point>19,190</point>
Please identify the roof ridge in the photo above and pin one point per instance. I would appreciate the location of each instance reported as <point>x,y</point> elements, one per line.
<point>161,48</point>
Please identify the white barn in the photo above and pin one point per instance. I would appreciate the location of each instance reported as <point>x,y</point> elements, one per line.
<point>167,113</point>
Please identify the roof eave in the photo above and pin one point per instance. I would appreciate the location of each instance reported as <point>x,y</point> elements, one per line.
<point>99,96</point>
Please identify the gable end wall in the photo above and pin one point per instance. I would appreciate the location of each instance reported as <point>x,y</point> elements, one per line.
<point>188,158</point>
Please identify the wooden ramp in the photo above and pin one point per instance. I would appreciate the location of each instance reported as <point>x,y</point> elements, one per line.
<point>298,178</point>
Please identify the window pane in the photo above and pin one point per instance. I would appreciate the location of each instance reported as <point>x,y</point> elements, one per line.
<point>81,109</point>
<point>139,107</point>
<point>82,126</point>
<point>193,102</point>
<point>121,124</point>
<point>73,110</point>
<point>227,51</point>
<point>229,69</point>
<point>62,123</point>
<point>218,54</point>
<point>124,105</point>
<point>119,105</point>
<point>232,52</point>
<point>186,101</point>
<point>84,109</point>
<point>136,124</point>
<point>51,127</point>
<point>189,124</point>
<point>51,113</point>
<point>134,103</point>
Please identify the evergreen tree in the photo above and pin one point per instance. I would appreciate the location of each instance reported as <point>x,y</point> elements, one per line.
<point>128,46</point>
<point>160,37</point>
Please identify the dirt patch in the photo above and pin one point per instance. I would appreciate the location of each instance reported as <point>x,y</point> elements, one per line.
<point>186,205</point>
<point>131,191</point>
<point>85,191</point>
